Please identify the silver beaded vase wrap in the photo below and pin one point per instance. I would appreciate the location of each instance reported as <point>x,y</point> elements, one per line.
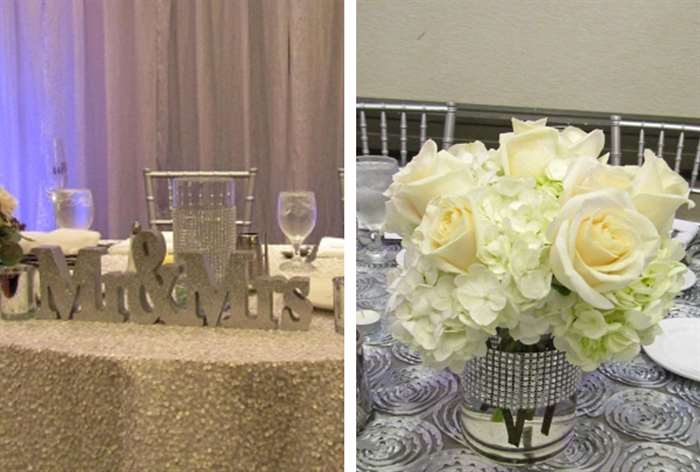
<point>521,380</point>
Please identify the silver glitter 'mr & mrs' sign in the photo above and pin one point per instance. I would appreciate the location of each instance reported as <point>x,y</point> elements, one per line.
<point>148,294</point>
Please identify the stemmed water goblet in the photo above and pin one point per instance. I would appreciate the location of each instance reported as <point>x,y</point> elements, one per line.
<point>374,175</point>
<point>73,208</point>
<point>296,216</point>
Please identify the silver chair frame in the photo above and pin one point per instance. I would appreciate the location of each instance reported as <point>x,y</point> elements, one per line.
<point>150,176</point>
<point>616,125</point>
<point>449,109</point>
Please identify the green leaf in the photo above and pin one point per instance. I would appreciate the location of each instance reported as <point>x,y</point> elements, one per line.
<point>10,253</point>
<point>497,415</point>
<point>561,289</point>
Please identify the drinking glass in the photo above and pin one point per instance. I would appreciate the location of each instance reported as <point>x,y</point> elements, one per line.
<point>73,208</point>
<point>296,216</point>
<point>204,219</point>
<point>374,175</point>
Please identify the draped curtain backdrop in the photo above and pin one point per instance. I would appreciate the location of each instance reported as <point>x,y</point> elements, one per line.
<point>171,84</point>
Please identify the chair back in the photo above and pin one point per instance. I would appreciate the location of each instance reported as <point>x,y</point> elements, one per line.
<point>685,132</point>
<point>449,110</point>
<point>155,221</point>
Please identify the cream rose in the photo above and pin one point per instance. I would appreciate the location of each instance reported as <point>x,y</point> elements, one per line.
<point>658,191</point>
<point>447,234</point>
<point>527,152</point>
<point>428,175</point>
<point>589,174</point>
<point>7,203</point>
<point>600,242</point>
<point>535,150</point>
<point>574,142</point>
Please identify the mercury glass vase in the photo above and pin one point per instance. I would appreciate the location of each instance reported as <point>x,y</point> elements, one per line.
<point>519,407</point>
<point>17,298</point>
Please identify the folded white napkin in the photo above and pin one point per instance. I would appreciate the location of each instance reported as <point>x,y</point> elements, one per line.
<point>123,248</point>
<point>69,240</point>
<point>686,230</point>
<point>321,293</point>
<point>331,247</point>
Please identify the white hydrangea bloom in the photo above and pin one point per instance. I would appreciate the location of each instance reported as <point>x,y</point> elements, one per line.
<point>590,336</point>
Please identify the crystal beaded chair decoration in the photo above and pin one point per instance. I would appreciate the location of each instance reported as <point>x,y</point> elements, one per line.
<point>155,220</point>
<point>685,131</point>
<point>449,110</point>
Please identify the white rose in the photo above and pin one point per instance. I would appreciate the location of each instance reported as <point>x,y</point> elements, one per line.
<point>535,150</point>
<point>7,203</point>
<point>600,242</point>
<point>589,174</point>
<point>520,126</point>
<point>528,152</point>
<point>658,191</point>
<point>447,234</point>
<point>574,142</point>
<point>428,175</point>
<point>472,152</point>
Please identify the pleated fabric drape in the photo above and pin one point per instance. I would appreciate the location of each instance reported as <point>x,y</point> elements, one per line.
<point>177,85</point>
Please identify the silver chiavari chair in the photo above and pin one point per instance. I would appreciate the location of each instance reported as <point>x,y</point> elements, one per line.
<point>449,110</point>
<point>150,176</point>
<point>685,132</point>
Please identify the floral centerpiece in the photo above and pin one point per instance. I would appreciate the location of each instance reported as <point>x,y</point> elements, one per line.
<point>538,246</point>
<point>10,250</point>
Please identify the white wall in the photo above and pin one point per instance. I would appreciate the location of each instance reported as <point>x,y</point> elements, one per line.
<point>627,56</point>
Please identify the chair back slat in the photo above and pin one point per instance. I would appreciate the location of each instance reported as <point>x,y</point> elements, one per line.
<point>448,132</point>
<point>679,152</point>
<point>640,149</point>
<point>660,150</point>
<point>696,167</point>
<point>615,144</point>
<point>423,128</point>
<point>250,197</point>
<point>363,133</point>
<point>404,139</point>
<point>166,223</point>
<point>385,140</point>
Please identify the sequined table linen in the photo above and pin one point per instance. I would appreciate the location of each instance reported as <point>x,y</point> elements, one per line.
<point>82,396</point>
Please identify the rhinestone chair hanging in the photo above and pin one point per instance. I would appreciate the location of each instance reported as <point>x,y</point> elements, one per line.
<point>160,223</point>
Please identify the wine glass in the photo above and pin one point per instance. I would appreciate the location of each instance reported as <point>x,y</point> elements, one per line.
<point>374,175</point>
<point>73,208</point>
<point>296,216</point>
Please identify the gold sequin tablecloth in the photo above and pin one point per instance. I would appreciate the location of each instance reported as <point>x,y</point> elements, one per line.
<point>82,396</point>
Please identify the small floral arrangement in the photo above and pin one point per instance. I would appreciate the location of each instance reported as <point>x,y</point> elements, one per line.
<point>540,242</point>
<point>10,228</point>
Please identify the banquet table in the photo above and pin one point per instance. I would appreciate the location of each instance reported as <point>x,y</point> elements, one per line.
<point>631,415</point>
<point>91,396</point>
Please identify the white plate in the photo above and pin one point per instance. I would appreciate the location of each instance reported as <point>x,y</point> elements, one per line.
<point>678,348</point>
<point>400,257</point>
<point>689,279</point>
